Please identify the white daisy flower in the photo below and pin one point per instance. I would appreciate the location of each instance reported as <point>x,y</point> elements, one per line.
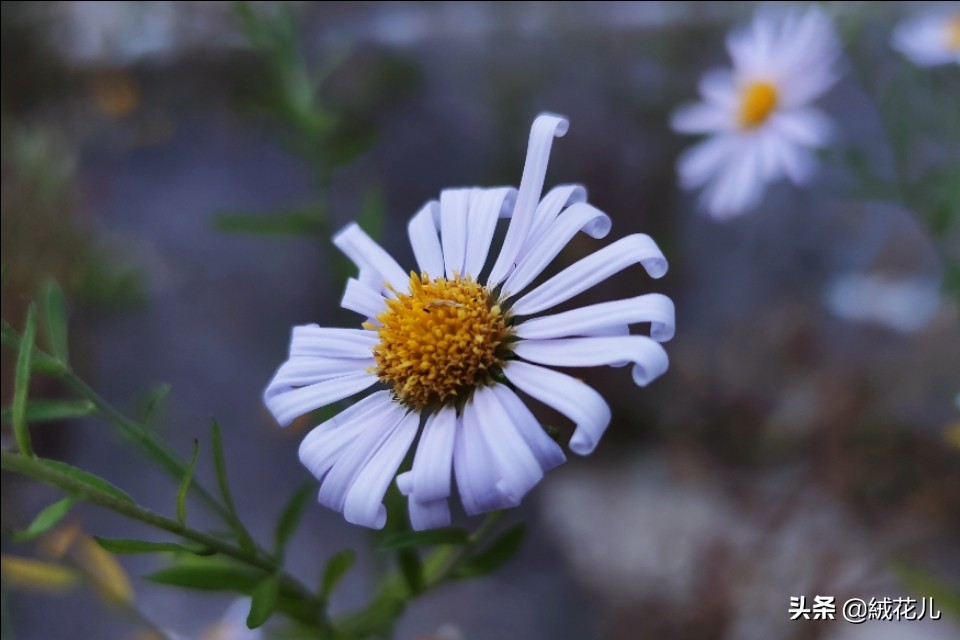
<point>758,116</point>
<point>453,342</point>
<point>931,38</point>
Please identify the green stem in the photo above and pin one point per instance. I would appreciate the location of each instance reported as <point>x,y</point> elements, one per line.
<point>36,469</point>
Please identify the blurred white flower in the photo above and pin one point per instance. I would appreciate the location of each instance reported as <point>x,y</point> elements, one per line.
<point>930,38</point>
<point>901,304</point>
<point>757,115</point>
<point>452,342</point>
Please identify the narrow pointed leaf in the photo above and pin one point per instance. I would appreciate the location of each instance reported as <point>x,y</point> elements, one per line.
<point>85,477</point>
<point>45,520</point>
<point>216,443</point>
<point>290,518</point>
<point>494,555</point>
<point>52,410</point>
<point>337,566</point>
<point>185,484</point>
<point>264,601</point>
<point>151,404</point>
<point>21,385</point>
<point>407,539</point>
<point>209,578</point>
<point>55,320</point>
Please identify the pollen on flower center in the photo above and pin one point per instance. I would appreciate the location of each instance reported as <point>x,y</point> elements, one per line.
<point>439,341</point>
<point>757,102</point>
<point>953,33</point>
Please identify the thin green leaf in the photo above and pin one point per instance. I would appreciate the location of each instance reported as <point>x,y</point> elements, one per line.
<point>264,601</point>
<point>496,554</point>
<point>407,539</point>
<point>94,482</point>
<point>337,566</point>
<point>216,442</point>
<point>290,518</point>
<point>152,402</point>
<point>411,568</point>
<point>281,223</point>
<point>126,546</point>
<point>209,578</point>
<point>185,484</point>
<point>21,385</point>
<point>55,320</point>
<point>51,410</point>
<point>45,520</point>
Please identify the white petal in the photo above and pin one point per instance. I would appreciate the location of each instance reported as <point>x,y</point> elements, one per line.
<point>545,128</point>
<point>738,187</point>
<point>373,432</point>
<point>433,463</point>
<point>803,126</point>
<point>547,452</point>
<point>363,299</point>
<point>425,239</point>
<point>517,467</point>
<point>300,372</point>
<point>702,117</point>
<point>595,268</point>
<point>649,358</point>
<point>486,207</point>
<point>477,476</point>
<point>591,220</point>
<point>321,448</point>
<point>655,308</point>
<point>364,501</point>
<point>367,254</point>
<point>429,515</point>
<point>454,206</point>
<point>310,340</point>
<point>286,404</point>
<point>718,87</point>
<point>701,162</point>
<point>571,397</point>
<point>547,211</point>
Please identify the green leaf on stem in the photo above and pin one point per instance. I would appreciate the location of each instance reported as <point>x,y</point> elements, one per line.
<point>209,578</point>
<point>126,546</point>
<point>96,483</point>
<point>337,566</point>
<point>493,556</point>
<point>264,601</point>
<point>55,320</point>
<point>21,385</point>
<point>185,484</point>
<point>45,520</point>
<point>411,568</point>
<point>243,536</point>
<point>52,410</point>
<point>152,402</point>
<point>290,518</point>
<point>408,539</point>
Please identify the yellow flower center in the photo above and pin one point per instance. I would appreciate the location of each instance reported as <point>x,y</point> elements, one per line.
<point>439,341</point>
<point>758,100</point>
<point>953,33</point>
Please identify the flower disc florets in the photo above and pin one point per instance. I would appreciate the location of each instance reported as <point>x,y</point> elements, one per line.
<point>440,341</point>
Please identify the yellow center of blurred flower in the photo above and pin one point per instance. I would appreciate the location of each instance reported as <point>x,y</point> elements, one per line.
<point>953,33</point>
<point>757,102</point>
<point>439,341</point>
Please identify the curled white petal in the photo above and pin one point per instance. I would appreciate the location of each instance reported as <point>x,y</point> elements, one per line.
<point>581,216</point>
<point>597,267</point>
<point>286,403</point>
<point>363,504</point>
<point>571,397</point>
<point>363,299</point>
<point>655,308</point>
<point>367,254</point>
<point>454,207</point>
<point>549,208</point>
<point>321,447</point>
<point>423,230</point>
<point>545,128</point>
<point>431,514</point>
<point>311,340</point>
<point>477,477</point>
<point>649,358</point>
<point>433,463</point>
<point>547,452</point>
<point>486,207</point>
<point>301,372</point>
